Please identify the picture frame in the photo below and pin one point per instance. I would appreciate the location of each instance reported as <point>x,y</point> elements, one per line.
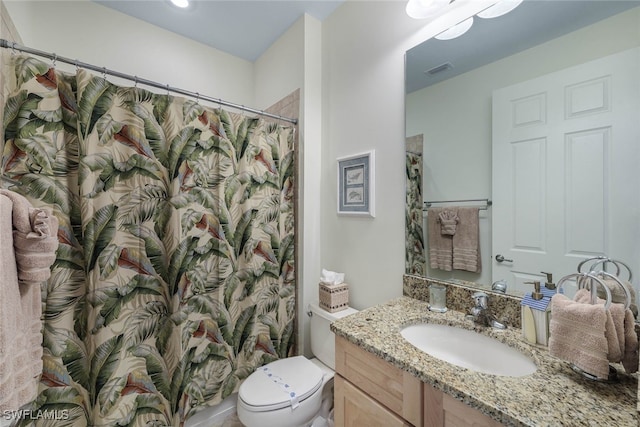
<point>356,184</point>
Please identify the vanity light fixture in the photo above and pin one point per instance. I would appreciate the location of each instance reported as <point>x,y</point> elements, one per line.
<point>180,3</point>
<point>457,30</point>
<point>501,8</point>
<point>423,9</point>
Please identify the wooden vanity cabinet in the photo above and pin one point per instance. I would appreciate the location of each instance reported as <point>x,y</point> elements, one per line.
<point>370,392</point>
<point>397,394</point>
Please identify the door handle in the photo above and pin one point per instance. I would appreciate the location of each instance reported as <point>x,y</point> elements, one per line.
<point>500,258</point>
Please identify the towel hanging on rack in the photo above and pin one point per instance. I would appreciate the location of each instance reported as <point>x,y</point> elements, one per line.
<point>440,245</point>
<point>466,241</point>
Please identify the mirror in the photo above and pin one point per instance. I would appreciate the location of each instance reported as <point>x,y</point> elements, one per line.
<point>450,125</point>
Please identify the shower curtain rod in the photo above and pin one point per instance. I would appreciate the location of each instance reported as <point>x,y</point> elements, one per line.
<point>14,46</point>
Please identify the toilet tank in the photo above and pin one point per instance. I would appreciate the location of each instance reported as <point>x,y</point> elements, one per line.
<point>323,344</point>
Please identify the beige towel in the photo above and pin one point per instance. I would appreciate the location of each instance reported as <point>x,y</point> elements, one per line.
<point>618,295</point>
<point>448,220</point>
<point>630,356</point>
<point>440,245</point>
<point>23,232</point>
<point>614,327</point>
<point>577,335</point>
<point>466,241</point>
<point>35,239</point>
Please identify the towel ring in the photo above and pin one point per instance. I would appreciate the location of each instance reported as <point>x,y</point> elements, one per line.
<point>604,260</point>
<point>619,282</point>
<point>594,296</point>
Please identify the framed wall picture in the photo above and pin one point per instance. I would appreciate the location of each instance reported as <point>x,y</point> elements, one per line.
<point>356,189</point>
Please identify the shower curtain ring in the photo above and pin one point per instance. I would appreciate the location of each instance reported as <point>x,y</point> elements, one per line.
<point>104,73</point>
<point>135,81</point>
<point>55,59</point>
<point>13,48</point>
<point>76,64</point>
<point>168,91</point>
<point>197,97</point>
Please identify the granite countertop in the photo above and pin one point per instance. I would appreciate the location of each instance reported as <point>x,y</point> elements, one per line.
<point>554,395</point>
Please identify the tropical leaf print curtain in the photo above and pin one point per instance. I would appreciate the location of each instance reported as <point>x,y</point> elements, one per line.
<point>175,274</point>
<point>415,259</point>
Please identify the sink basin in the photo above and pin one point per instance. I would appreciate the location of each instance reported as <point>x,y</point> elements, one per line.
<point>468,349</point>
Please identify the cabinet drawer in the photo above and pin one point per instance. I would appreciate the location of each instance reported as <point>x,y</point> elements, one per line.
<point>353,408</point>
<point>397,390</point>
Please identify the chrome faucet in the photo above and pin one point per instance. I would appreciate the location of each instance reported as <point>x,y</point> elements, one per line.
<point>481,313</point>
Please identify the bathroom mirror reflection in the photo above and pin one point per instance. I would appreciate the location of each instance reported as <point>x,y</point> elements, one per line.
<point>537,111</point>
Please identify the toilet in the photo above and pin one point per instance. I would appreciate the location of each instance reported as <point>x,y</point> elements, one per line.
<point>295,391</point>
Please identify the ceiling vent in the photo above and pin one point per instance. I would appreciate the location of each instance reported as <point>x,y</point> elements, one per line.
<point>439,69</point>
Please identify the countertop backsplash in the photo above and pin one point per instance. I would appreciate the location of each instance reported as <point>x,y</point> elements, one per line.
<point>506,308</point>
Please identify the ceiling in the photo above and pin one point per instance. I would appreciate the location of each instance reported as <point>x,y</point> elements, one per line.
<point>532,23</point>
<point>246,28</point>
<point>242,28</point>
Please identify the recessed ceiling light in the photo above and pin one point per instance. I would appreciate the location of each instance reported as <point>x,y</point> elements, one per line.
<point>181,3</point>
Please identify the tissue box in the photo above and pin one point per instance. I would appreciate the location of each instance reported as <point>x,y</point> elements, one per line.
<point>334,297</point>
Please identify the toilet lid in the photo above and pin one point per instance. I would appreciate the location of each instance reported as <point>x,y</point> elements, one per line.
<point>282,383</point>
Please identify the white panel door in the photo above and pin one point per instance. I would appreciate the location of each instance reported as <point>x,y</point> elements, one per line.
<point>566,161</point>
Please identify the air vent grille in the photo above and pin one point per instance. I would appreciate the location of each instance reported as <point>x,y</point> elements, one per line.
<point>439,68</point>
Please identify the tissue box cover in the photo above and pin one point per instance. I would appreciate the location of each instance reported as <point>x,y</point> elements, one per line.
<point>334,297</point>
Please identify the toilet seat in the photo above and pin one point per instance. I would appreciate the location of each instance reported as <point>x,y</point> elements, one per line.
<point>280,384</point>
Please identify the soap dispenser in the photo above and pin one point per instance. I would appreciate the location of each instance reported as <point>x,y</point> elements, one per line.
<point>536,314</point>
<point>549,283</point>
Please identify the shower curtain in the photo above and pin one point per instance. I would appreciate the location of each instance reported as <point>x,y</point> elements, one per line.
<point>174,278</point>
<point>415,259</point>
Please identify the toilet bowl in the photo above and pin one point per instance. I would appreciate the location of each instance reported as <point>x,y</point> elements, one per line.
<point>290,392</point>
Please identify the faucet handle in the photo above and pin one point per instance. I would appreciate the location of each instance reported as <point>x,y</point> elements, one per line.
<point>481,299</point>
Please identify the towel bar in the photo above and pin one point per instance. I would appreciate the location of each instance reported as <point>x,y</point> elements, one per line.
<point>488,202</point>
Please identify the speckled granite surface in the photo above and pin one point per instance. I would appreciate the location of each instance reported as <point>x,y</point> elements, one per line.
<point>553,396</point>
<point>505,307</point>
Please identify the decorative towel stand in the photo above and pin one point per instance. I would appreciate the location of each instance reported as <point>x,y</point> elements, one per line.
<point>582,284</point>
<point>605,261</point>
<point>588,280</point>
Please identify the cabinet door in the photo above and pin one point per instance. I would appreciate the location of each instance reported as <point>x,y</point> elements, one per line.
<point>457,414</point>
<point>442,410</point>
<point>353,408</point>
<point>395,389</point>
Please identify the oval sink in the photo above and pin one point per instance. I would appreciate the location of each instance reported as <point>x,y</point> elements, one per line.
<point>468,349</point>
